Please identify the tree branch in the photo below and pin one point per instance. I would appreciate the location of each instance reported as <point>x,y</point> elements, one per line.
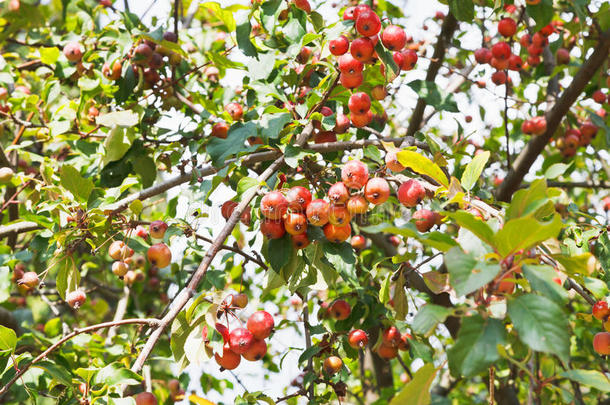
<point>553,118</point>
<point>449,26</point>
<point>248,257</point>
<point>75,332</point>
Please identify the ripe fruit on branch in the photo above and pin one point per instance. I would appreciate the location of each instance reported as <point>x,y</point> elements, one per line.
<point>394,38</point>
<point>362,49</point>
<point>482,55</point>
<point>357,204</point>
<point>342,123</point>
<point>379,92</point>
<point>274,205</point>
<point>317,212</point>
<point>340,310</point>
<point>360,8</point>
<point>298,198</point>
<point>600,310</point>
<point>235,110</point>
<point>240,300</point>
<point>498,77</point>
<point>272,229</point>
<point>29,279</point>
<point>142,54</point>
<point>338,193</point>
<point>392,163</point>
<point>256,351</point>
<point>300,241</point>
<point>173,386</point>
<point>359,103</point>
<point>332,365</point>
<point>377,190</point>
<point>348,14</point>
<point>338,46</point>
<point>368,23</point>
<point>358,242</point>
<point>387,352</point>
<point>499,64</point>
<point>146,398</point>
<point>157,229</point>
<point>403,343</point>
<point>295,223</point>
<point>391,336</point>
<point>601,343</point>
<point>411,193</point>
<point>515,62</point>
<point>159,255</point>
<point>220,130</point>
<point>362,120</point>
<point>260,324</point>
<point>507,27</point>
<point>120,268</point>
<point>303,5</point>
<point>349,65</point>
<point>240,340</point>
<point>358,339</point>
<point>354,173</point>
<point>73,51</point>
<point>425,219</point>
<point>337,234</point>
<point>229,359</point>
<point>410,59</point>
<point>6,174</point>
<point>76,298</point>
<point>599,97</point>
<point>338,215</point>
<point>118,250</point>
<point>562,56</point>
<point>501,50</point>
<point>351,80</point>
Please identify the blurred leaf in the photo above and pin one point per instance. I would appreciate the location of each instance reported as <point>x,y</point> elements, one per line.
<point>590,378</point>
<point>463,10</point>
<point>541,324</point>
<point>116,374</point>
<point>433,95</point>
<point>8,340</point>
<point>422,165</point>
<point>541,278</point>
<point>468,273</point>
<point>476,346</point>
<point>124,118</point>
<point>5,283</point>
<point>428,317</point>
<point>417,392</point>
<point>523,233</point>
<point>473,170</point>
<point>72,180</point>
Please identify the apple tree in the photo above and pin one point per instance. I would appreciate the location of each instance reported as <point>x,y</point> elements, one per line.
<point>362,203</point>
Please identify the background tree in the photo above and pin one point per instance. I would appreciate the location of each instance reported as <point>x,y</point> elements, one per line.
<point>417,251</point>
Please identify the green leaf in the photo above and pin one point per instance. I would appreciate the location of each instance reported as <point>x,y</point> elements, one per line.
<point>428,317</point>
<point>49,55</point>
<point>474,169</point>
<point>8,340</point>
<point>437,240</point>
<point>527,200</point>
<point>542,13</point>
<point>434,96</point>
<point>116,144</point>
<point>467,273</point>
<point>384,292</point>
<point>556,170</point>
<point>145,168</point>
<point>242,33</point>
<point>417,392</point>
<point>136,207</point>
<point>523,233</point>
<point>220,149</point>
<point>279,252</point>
<point>222,13</point>
<point>591,378</point>
<point>401,305</point>
<point>272,124</point>
<point>391,68</point>
<point>123,118</point>
<point>68,277</point>
<point>476,346</point>
<point>541,279</point>
<point>463,10</point>
<point>115,374</point>
<point>309,353</point>
<point>541,324</point>
<point>58,372</point>
<point>244,184</point>
<point>5,283</point>
<point>72,181</point>
<point>473,224</point>
<point>422,165</point>
<point>52,327</point>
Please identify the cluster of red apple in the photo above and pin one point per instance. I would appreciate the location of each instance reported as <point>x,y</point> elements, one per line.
<point>159,256</point>
<point>391,341</point>
<point>361,52</point>
<point>291,211</point>
<point>248,342</point>
<point>601,341</point>
<point>27,281</point>
<point>501,57</point>
<point>576,137</point>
